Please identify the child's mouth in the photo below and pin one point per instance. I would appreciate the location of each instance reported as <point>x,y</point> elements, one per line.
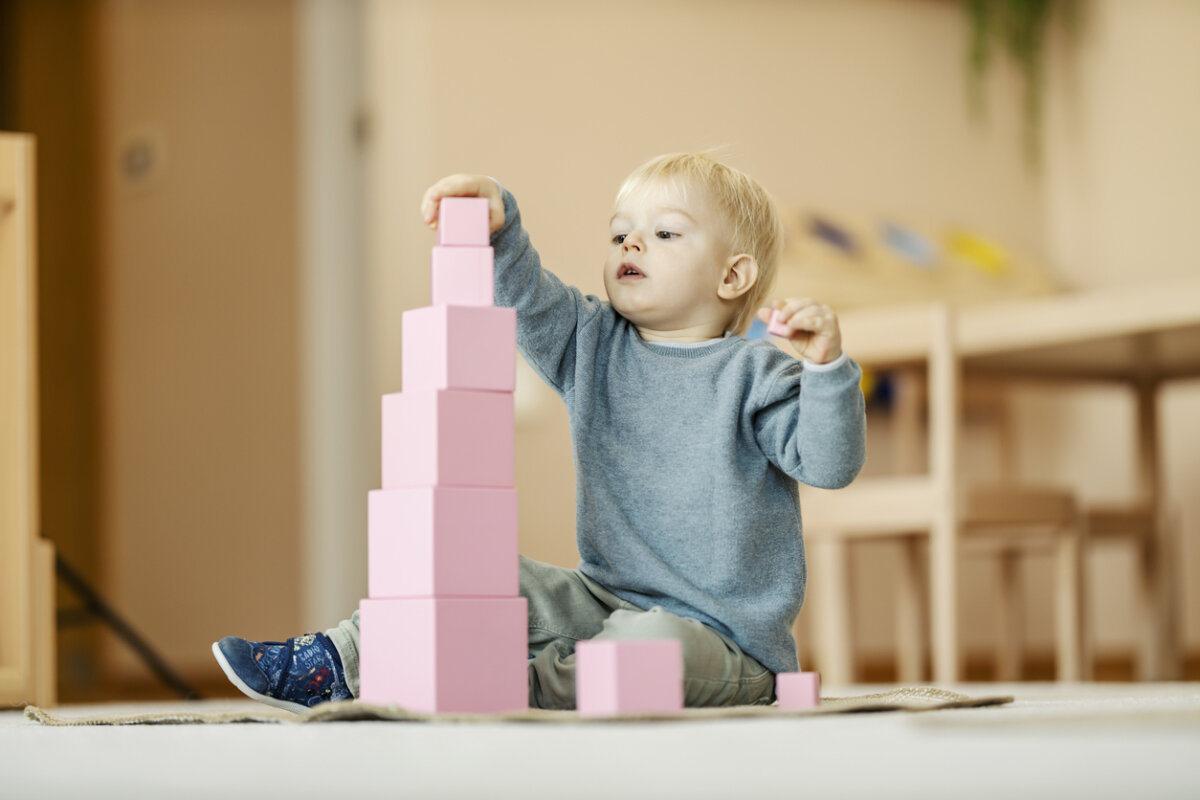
<point>629,272</point>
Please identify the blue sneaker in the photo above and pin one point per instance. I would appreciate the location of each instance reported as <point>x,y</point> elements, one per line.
<point>296,675</point>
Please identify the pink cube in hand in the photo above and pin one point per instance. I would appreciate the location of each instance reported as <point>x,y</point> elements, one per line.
<point>628,676</point>
<point>463,276</point>
<point>777,328</point>
<point>463,221</point>
<point>448,438</point>
<point>798,689</point>
<point>442,541</point>
<point>440,654</point>
<point>460,347</point>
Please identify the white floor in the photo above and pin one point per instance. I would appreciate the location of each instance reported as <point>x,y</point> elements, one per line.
<point>1088,741</point>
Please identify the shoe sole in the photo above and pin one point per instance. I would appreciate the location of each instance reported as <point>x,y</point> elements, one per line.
<point>286,705</point>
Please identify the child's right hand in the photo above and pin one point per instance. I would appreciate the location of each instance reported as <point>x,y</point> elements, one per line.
<point>464,186</point>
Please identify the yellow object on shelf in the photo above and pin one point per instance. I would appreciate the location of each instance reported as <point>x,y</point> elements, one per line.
<point>977,251</point>
<point>869,379</point>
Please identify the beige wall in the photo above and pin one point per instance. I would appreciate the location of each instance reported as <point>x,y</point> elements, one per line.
<point>1122,123</point>
<point>199,422</point>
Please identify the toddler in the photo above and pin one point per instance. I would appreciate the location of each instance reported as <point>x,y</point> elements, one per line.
<point>689,442</point>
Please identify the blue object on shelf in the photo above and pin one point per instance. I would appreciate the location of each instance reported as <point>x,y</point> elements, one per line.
<point>834,235</point>
<point>918,249</point>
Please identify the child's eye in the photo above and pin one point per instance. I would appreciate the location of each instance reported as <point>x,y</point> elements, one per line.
<point>666,234</point>
<point>620,237</point>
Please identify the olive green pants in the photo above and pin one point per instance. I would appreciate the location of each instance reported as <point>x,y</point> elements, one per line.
<point>566,607</point>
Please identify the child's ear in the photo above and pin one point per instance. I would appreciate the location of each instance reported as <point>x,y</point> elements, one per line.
<point>741,273</point>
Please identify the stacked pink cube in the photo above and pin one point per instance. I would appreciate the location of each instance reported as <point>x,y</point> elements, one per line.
<point>443,628</point>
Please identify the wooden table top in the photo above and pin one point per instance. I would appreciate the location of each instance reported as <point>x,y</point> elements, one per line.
<point>1106,334</point>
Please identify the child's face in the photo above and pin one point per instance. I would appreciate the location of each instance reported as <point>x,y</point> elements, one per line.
<point>670,247</point>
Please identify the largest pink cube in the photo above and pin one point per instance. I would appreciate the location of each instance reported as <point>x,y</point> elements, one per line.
<point>445,654</point>
<point>447,438</point>
<point>628,677</point>
<point>441,541</point>
<point>460,347</point>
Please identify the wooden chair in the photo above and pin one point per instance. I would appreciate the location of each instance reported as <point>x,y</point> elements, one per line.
<point>1138,525</point>
<point>933,512</point>
<point>27,625</point>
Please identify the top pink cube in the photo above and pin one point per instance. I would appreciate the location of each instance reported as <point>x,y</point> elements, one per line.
<point>463,222</point>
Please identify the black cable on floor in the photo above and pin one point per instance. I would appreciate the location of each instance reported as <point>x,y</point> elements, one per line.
<point>95,606</point>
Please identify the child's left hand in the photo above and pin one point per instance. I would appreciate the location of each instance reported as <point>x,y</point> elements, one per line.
<point>816,335</point>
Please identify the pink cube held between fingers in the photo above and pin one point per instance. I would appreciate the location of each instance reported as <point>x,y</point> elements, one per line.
<point>777,328</point>
<point>439,654</point>
<point>463,276</point>
<point>628,676</point>
<point>463,222</point>
<point>448,438</point>
<point>443,542</point>
<point>459,347</point>
<point>798,689</point>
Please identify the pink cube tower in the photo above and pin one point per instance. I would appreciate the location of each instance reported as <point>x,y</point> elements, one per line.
<point>628,677</point>
<point>443,627</point>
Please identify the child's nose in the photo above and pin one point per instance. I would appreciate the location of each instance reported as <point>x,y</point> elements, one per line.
<point>631,242</point>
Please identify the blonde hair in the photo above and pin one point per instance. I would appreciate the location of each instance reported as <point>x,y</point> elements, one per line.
<point>754,221</point>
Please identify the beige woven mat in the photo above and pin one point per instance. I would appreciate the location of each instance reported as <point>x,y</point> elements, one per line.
<point>913,699</point>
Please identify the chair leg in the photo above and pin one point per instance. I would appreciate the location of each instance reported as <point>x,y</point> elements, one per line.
<point>833,612</point>
<point>943,583</point>
<point>1069,623</point>
<point>1150,620</point>
<point>910,614</point>
<point>1085,642</point>
<point>1009,619</point>
<point>1168,596</point>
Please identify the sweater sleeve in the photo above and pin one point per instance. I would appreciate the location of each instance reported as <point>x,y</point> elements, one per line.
<point>550,314</point>
<point>812,424</point>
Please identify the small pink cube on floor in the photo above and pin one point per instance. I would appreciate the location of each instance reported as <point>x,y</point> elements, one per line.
<point>798,689</point>
<point>628,677</point>
<point>777,328</point>
<point>463,222</point>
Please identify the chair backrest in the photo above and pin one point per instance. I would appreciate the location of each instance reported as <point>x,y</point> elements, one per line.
<point>913,340</point>
<point>918,338</point>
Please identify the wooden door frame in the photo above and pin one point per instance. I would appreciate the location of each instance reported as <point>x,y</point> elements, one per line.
<point>27,624</point>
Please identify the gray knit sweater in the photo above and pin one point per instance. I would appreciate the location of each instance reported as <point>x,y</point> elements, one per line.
<point>686,459</point>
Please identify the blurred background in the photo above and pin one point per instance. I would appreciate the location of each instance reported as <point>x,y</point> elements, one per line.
<point>228,234</point>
